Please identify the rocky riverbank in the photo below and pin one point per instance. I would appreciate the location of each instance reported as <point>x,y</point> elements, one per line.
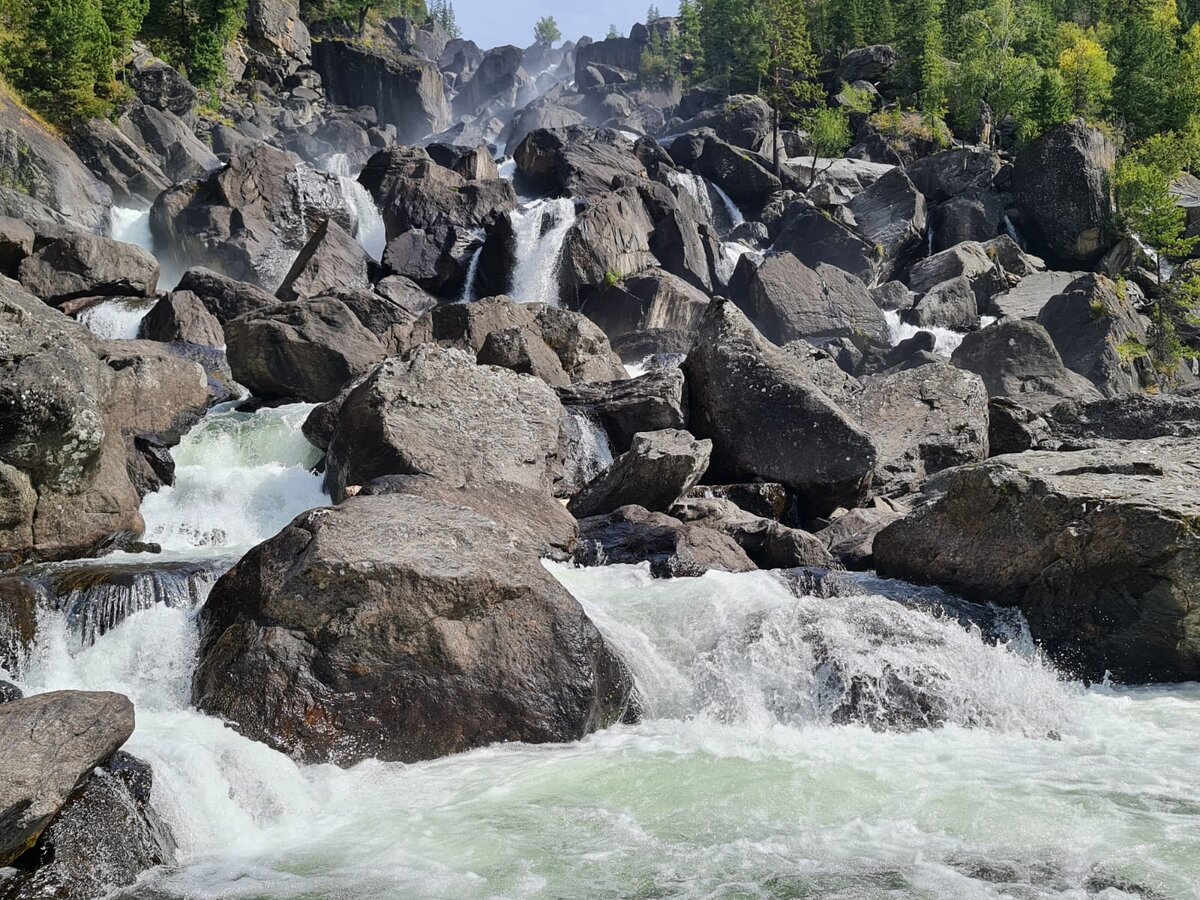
<point>604,328</point>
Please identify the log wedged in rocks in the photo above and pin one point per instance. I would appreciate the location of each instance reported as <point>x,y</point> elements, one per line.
<point>437,413</point>
<point>674,549</point>
<point>658,468</point>
<point>443,633</point>
<point>766,418</point>
<point>1098,548</point>
<point>50,743</point>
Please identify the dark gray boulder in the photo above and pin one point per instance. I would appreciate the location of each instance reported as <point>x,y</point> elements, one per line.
<point>1026,299</point>
<point>814,237</point>
<point>86,265</point>
<point>951,304</point>
<point>16,243</point>
<point>658,469</point>
<point>653,402</point>
<point>788,301</point>
<point>576,161</point>
<point>224,297</point>
<point>767,419</point>
<point>745,177</point>
<point>1098,548</point>
<point>182,316</point>
<point>768,544</point>
<point>331,260</point>
<point>674,549</point>
<point>406,658</point>
<point>890,215</point>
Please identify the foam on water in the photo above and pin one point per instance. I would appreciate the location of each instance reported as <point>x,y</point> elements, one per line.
<point>736,783</point>
<point>132,226</point>
<point>947,340</point>
<point>117,320</point>
<point>239,478</point>
<point>541,228</point>
<point>368,222</point>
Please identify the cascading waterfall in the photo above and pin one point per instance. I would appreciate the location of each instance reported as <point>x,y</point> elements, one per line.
<point>468,291</point>
<point>132,226</point>
<point>695,186</point>
<point>738,775</point>
<point>946,339</point>
<point>732,211</point>
<point>589,452</point>
<point>239,478</point>
<point>541,228</point>
<point>368,222</point>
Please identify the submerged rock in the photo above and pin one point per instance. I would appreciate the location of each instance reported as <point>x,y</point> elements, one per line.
<point>1098,548</point>
<point>401,628</point>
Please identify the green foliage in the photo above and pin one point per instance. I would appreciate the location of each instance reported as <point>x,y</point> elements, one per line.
<point>691,49</point>
<point>856,100</point>
<point>659,66</point>
<point>612,33</point>
<point>828,138</point>
<point>546,31</point>
<point>442,12</point>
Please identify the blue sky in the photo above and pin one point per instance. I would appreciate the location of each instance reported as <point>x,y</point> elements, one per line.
<point>490,23</point>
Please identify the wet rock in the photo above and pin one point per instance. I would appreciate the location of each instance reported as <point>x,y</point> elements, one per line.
<point>658,469</point>
<point>674,549</point>
<point>1062,184</point>
<point>9,692</point>
<point>608,241</point>
<point>438,413</point>
<point>767,419</point>
<point>653,402</point>
<point>850,538</point>
<point>182,316</point>
<point>303,351</point>
<point>490,649</point>
<point>769,544</point>
<point>331,260</point>
<point>745,177</point>
<point>437,259</point>
<point>1098,549</point>
<point>85,265</point>
<point>788,301</point>
<point>1099,335</point>
<point>407,91</point>
<point>50,743</point>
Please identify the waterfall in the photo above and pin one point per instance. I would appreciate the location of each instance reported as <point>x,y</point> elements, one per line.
<point>132,226</point>
<point>947,340</point>
<point>468,291</point>
<point>239,478</point>
<point>588,449</point>
<point>507,168</point>
<point>119,319</point>
<point>695,186</point>
<point>360,206</point>
<point>1010,229</point>
<point>541,228</point>
<point>731,253</point>
<point>731,209</point>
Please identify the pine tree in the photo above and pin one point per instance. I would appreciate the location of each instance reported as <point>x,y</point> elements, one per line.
<point>788,67</point>
<point>1051,106</point>
<point>691,50</point>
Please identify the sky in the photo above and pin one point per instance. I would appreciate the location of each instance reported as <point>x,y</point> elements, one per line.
<point>490,23</point>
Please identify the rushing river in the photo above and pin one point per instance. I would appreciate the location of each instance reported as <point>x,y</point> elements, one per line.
<point>738,783</point>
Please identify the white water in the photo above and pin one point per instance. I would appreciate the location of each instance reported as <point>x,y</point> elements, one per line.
<point>735,784</point>
<point>589,450</point>
<point>368,222</point>
<point>239,478</point>
<point>695,186</point>
<point>468,291</point>
<point>541,228</point>
<point>731,253</point>
<point>117,320</point>
<point>132,226</point>
<point>731,209</point>
<point>946,339</point>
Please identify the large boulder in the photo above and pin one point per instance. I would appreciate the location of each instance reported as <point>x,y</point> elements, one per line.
<point>768,543</point>
<point>788,301</point>
<point>85,265</point>
<point>923,420</point>
<point>658,469</point>
<point>867,63</point>
<point>813,237</point>
<point>16,243</point>
<point>331,260</point>
<point>963,170</point>
<point>891,218</point>
<point>304,351</point>
<point>250,218</point>
<point>45,182</point>
<point>766,418</point>
<point>274,27</point>
<point>182,316</point>
<point>968,260</point>
<point>1017,358</point>
<point>674,549</point>
<point>1099,335</point>
<point>49,745</point>
<point>1098,548</point>
<point>499,83</point>
<point>438,413</point>
<point>1063,185</point>
<point>608,241</point>
<point>1026,299</point>
<point>160,85</point>
<point>224,297</point>
<point>399,627</point>
<point>407,91</point>
<point>745,177</point>
<point>576,161</point>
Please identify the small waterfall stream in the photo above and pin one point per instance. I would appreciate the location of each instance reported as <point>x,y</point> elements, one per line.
<point>541,228</point>
<point>116,320</point>
<point>369,227</point>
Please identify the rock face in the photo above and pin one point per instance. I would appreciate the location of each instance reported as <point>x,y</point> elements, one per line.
<point>1062,186</point>
<point>1095,328</point>
<point>182,316</point>
<point>743,176</point>
<point>224,297</point>
<point>301,351</point>
<point>891,217</point>
<point>1098,548</point>
<point>813,237</point>
<point>442,633</point>
<point>438,413</point>
<point>407,90</point>
<point>788,301</point>
<point>84,265</point>
<point>49,745</point>
<point>767,419</point>
<point>658,469</point>
<point>578,161</point>
<point>48,182</point>
<point>673,548</point>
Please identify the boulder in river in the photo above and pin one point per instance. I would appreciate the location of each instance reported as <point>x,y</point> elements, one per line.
<point>182,316</point>
<point>437,413</point>
<point>767,418</point>
<point>331,260</point>
<point>1098,548</point>
<point>658,469</point>
<point>651,402</point>
<point>399,627</point>
<point>769,544</point>
<point>49,745</point>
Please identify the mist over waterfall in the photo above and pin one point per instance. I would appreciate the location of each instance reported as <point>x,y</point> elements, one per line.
<point>541,228</point>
